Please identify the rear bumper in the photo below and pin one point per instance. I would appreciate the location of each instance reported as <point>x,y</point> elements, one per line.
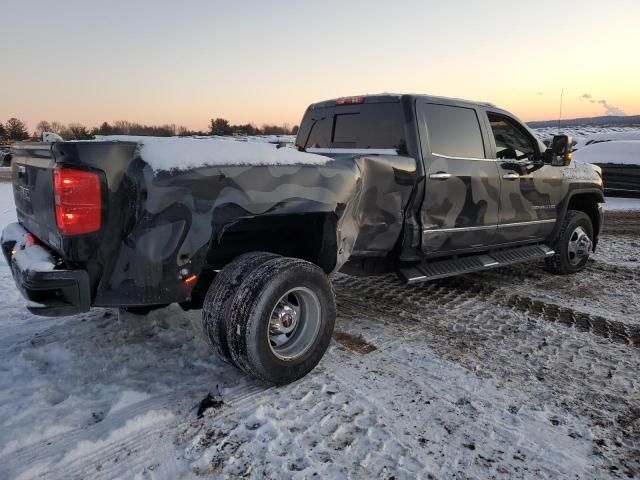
<point>51,292</point>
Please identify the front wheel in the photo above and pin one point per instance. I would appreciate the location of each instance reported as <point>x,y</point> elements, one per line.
<point>574,244</point>
<point>281,320</point>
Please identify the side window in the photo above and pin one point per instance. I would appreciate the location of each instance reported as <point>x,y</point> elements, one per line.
<point>452,131</point>
<point>511,141</point>
<point>320,134</point>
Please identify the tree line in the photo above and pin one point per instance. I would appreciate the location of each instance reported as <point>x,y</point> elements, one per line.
<point>14,130</point>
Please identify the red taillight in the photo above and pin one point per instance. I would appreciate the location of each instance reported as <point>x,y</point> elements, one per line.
<point>350,101</point>
<point>78,201</point>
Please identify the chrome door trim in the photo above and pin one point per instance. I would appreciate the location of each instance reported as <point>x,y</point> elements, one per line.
<point>463,158</point>
<point>459,229</point>
<point>524,224</point>
<point>488,227</point>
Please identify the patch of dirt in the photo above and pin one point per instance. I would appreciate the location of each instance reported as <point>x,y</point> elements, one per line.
<point>353,342</point>
<point>622,223</point>
<point>208,402</point>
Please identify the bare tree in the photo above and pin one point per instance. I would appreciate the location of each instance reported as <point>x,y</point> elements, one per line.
<point>41,127</point>
<point>58,128</point>
<point>78,131</point>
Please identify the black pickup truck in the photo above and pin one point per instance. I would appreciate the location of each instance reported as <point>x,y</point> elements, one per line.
<point>425,186</point>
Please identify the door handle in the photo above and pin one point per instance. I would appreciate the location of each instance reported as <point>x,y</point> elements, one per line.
<point>439,176</point>
<point>511,176</point>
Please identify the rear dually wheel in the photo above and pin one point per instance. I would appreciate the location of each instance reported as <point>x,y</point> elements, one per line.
<point>281,320</point>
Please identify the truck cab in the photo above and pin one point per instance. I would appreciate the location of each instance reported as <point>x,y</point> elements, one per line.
<point>484,182</point>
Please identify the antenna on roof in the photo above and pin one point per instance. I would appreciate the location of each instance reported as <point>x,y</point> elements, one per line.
<point>560,114</point>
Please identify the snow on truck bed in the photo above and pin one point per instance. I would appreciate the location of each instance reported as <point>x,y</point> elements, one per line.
<point>183,153</point>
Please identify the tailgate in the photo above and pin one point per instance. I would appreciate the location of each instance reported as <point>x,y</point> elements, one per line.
<point>31,173</point>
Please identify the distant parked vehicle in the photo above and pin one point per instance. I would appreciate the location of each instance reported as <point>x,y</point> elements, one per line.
<point>5,157</point>
<point>621,180</point>
<point>620,164</point>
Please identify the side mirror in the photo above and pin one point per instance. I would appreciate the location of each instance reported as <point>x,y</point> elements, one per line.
<point>560,150</point>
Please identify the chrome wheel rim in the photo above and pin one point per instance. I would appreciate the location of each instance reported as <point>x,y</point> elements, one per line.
<point>294,323</point>
<point>580,246</point>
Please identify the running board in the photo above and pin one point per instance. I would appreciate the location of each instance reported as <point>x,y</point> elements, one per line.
<point>447,268</point>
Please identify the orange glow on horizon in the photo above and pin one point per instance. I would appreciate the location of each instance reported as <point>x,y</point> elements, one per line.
<point>186,63</point>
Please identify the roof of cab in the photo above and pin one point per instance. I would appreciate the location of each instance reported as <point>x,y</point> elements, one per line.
<point>395,97</point>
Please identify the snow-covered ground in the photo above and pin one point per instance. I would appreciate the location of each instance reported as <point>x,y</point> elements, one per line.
<point>507,374</point>
<point>617,203</point>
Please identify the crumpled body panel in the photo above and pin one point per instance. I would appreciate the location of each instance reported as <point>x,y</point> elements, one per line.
<point>180,215</point>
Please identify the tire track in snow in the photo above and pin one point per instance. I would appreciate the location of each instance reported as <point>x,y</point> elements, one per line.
<point>472,328</point>
<point>45,450</point>
<point>449,388</point>
<point>385,294</point>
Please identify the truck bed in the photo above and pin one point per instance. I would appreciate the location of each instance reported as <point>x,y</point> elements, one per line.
<point>160,226</point>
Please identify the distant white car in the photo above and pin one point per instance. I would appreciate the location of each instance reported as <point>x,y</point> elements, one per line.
<point>50,137</point>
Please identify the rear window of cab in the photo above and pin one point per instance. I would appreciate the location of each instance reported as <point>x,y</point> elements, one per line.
<point>366,126</point>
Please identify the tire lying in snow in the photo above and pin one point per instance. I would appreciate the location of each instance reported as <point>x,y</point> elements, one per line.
<point>281,320</point>
<point>215,309</point>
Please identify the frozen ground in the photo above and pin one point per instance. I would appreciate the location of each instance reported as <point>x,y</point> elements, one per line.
<point>509,374</point>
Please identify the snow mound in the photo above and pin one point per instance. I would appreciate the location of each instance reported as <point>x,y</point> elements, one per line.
<point>180,153</point>
<point>609,136</point>
<point>584,135</point>
<point>625,152</point>
<point>28,255</point>
<point>617,203</point>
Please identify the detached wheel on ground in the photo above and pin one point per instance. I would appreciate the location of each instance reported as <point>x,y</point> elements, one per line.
<point>215,309</point>
<point>574,244</point>
<point>281,320</point>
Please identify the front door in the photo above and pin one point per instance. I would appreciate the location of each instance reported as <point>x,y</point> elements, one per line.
<point>462,191</point>
<point>530,189</point>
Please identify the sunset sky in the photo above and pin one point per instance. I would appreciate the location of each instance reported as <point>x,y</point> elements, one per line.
<point>186,61</point>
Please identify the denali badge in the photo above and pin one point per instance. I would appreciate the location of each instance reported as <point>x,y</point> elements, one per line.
<point>543,207</point>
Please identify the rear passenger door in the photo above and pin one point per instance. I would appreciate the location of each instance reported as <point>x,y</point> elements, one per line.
<point>462,191</point>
